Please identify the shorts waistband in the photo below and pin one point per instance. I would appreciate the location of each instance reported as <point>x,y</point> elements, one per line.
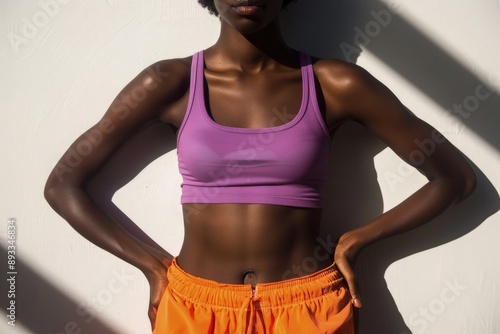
<point>295,290</point>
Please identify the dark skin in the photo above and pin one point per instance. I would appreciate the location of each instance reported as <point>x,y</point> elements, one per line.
<point>249,73</point>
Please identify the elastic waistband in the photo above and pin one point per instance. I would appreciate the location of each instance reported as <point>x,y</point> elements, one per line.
<point>295,290</point>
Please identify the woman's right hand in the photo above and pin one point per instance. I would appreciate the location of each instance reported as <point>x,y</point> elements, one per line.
<point>157,278</point>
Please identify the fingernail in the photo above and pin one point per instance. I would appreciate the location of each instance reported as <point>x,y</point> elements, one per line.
<point>357,302</point>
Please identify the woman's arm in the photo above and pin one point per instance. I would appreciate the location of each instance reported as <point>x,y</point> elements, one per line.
<point>351,93</point>
<point>140,102</point>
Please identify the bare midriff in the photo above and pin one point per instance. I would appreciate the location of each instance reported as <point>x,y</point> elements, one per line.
<point>250,243</point>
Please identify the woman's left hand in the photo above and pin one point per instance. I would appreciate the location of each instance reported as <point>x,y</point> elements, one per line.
<point>345,257</point>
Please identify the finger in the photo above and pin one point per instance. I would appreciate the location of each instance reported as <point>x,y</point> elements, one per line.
<point>350,278</point>
<point>152,316</point>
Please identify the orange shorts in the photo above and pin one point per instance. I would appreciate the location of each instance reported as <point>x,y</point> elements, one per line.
<point>316,303</point>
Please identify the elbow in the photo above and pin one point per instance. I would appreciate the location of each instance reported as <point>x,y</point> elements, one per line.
<point>55,192</point>
<point>51,192</point>
<point>59,194</point>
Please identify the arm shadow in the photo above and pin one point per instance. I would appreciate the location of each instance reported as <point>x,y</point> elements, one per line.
<point>354,196</point>
<point>139,151</point>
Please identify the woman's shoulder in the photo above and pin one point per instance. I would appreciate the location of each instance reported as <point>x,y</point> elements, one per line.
<point>345,80</point>
<point>165,81</point>
<point>348,87</point>
<point>174,69</point>
<point>342,74</point>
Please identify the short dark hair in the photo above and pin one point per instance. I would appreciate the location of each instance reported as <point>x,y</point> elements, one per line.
<point>209,4</point>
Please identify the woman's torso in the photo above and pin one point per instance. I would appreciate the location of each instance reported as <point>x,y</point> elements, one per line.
<point>249,243</point>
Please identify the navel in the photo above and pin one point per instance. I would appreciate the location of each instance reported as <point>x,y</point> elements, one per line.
<point>249,277</point>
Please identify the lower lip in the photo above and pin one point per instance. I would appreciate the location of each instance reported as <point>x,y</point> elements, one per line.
<point>247,10</point>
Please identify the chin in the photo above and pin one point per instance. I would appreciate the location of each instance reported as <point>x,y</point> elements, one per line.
<point>248,25</point>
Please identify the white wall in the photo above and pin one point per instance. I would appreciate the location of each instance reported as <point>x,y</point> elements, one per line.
<point>62,63</point>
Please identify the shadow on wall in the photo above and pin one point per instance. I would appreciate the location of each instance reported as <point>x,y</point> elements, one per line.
<point>354,198</point>
<point>42,307</point>
<point>341,28</point>
<point>338,30</point>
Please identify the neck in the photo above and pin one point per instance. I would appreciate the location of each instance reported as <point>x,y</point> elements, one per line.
<point>252,52</point>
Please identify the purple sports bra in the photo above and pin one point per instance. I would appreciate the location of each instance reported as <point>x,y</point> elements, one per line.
<point>282,165</point>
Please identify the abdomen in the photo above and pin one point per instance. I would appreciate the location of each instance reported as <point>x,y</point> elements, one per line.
<point>224,240</point>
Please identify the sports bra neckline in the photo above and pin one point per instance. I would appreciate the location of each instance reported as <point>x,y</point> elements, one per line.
<point>200,68</point>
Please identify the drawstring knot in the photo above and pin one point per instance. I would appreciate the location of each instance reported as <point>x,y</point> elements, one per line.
<point>248,305</point>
